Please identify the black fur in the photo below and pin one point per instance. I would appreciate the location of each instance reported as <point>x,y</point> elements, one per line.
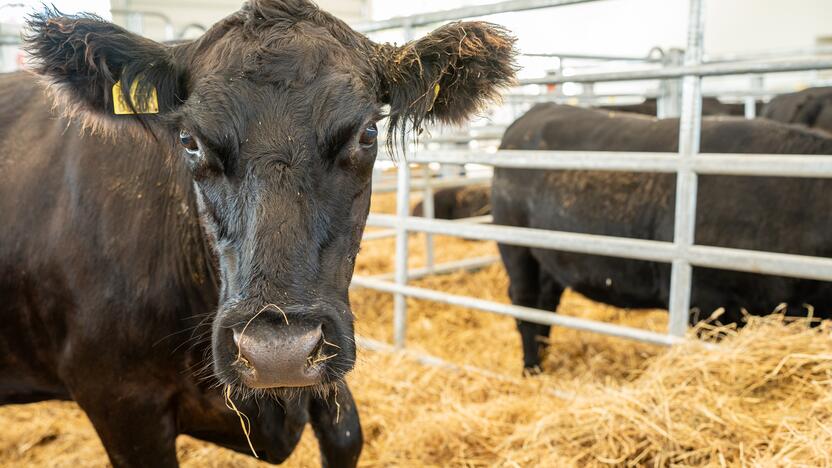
<point>757,213</point>
<point>85,56</point>
<point>132,262</point>
<point>470,61</point>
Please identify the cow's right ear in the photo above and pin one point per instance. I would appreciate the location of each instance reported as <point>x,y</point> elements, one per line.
<point>83,57</point>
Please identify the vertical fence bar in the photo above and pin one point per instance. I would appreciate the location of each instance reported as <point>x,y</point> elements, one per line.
<point>668,103</point>
<point>402,211</point>
<point>750,109</point>
<point>757,86</point>
<point>428,212</point>
<point>690,127</point>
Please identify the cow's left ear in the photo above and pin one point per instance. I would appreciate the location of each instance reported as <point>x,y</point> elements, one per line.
<point>447,75</point>
<point>83,57</point>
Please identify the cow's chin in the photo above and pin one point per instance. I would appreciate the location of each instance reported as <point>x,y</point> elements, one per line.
<point>325,391</point>
<point>243,387</point>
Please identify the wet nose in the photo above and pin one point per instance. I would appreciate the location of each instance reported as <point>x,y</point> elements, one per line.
<point>280,356</point>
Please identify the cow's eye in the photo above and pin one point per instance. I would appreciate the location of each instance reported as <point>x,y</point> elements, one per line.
<point>188,142</point>
<point>368,136</point>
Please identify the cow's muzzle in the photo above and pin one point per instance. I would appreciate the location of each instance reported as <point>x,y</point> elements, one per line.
<point>287,356</point>
<point>283,347</point>
<point>273,352</point>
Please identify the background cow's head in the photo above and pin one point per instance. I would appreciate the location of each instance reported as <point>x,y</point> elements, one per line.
<point>274,110</point>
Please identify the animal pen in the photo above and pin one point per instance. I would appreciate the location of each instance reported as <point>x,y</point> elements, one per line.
<point>683,254</point>
<point>760,398</point>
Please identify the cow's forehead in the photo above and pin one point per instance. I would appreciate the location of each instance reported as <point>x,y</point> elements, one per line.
<point>225,95</point>
<point>233,112</point>
<point>298,51</point>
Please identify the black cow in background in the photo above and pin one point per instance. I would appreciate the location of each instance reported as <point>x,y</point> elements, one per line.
<point>196,245</point>
<point>759,213</point>
<point>466,202</point>
<point>459,203</point>
<point>811,107</point>
<point>710,106</point>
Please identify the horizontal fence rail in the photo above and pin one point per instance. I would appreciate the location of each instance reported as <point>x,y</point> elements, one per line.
<point>383,234</point>
<point>445,182</point>
<point>703,70</point>
<point>442,268</point>
<point>425,19</point>
<point>519,312</point>
<point>604,58</point>
<point>773,165</point>
<point>727,94</point>
<point>752,261</point>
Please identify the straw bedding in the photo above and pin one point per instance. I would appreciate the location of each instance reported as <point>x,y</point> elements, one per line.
<point>762,398</point>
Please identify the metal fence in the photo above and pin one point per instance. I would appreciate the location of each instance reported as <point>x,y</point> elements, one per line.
<point>682,253</point>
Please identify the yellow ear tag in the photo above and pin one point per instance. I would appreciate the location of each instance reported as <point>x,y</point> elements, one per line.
<point>120,107</point>
<point>435,95</point>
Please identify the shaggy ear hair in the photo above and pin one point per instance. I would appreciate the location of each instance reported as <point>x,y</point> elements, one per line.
<point>83,56</point>
<point>447,75</point>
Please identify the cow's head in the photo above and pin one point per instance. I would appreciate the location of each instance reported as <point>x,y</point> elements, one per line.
<point>274,110</point>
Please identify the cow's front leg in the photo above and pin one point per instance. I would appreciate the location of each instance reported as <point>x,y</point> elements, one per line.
<point>136,428</point>
<point>337,427</point>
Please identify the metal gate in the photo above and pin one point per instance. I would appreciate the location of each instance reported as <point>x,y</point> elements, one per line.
<point>687,164</point>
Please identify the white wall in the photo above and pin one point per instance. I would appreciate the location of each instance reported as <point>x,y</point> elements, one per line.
<point>586,28</point>
<point>633,27</point>
<point>208,12</point>
<point>737,25</point>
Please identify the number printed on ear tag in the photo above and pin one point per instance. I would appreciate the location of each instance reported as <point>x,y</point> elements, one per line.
<point>120,107</point>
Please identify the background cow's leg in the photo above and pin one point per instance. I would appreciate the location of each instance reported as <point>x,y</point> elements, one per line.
<point>548,299</point>
<point>337,428</point>
<point>136,428</point>
<point>524,290</point>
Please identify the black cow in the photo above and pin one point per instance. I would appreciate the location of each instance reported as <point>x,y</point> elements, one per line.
<point>811,107</point>
<point>196,245</point>
<point>459,203</point>
<point>759,213</point>
<point>710,106</point>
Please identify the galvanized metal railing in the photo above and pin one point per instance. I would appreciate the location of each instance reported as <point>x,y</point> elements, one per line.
<point>682,253</point>
<point>406,22</point>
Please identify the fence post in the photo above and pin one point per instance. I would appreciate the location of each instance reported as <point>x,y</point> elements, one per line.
<point>402,211</point>
<point>429,213</point>
<point>690,127</point>
<point>757,86</point>
<point>668,103</point>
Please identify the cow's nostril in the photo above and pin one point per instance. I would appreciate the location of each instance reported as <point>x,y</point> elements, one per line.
<point>285,356</point>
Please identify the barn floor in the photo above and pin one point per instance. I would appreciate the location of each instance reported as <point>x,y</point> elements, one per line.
<point>763,398</point>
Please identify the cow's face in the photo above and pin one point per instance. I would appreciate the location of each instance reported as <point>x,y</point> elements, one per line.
<point>274,111</point>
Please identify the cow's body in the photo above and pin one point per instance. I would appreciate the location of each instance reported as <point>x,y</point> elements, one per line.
<point>811,107</point>
<point>106,282</point>
<point>459,203</point>
<point>710,106</point>
<point>760,213</point>
<point>197,245</point>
